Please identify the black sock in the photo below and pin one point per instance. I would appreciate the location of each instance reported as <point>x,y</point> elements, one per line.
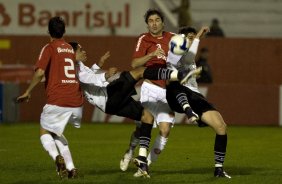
<point>220,148</point>
<point>145,135</point>
<point>157,73</point>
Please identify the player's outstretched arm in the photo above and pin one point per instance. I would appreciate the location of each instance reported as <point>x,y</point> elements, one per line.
<point>104,58</point>
<point>137,62</point>
<point>110,72</point>
<point>203,31</point>
<point>37,77</point>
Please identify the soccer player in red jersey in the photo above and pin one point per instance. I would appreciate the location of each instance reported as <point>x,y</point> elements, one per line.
<point>151,51</point>
<point>56,65</point>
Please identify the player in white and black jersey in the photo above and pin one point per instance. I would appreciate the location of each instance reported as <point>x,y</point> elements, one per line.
<point>183,97</point>
<point>115,97</point>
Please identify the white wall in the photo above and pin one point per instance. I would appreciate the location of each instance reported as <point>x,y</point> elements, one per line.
<point>241,18</point>
<point>238,18</point>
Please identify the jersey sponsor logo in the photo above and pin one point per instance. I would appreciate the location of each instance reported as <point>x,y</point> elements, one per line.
<point>5,19</point>
<point>59,50</point>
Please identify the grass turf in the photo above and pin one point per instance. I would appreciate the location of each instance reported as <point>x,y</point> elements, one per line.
<point>253,155</point>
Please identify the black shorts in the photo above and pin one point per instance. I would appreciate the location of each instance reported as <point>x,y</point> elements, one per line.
<point>197,101</point>
<point>120,101</point>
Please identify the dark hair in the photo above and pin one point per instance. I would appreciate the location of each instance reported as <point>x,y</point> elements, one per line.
<point>153,12</point>
<point>74,45</point>
<point>215,21</point>
<point>56,27</point>
<point>185,30</point>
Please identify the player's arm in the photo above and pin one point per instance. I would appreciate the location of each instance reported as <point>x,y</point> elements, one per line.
<point>191,54</point>
<point>104,58</point>
<point>140,55</point>
<point>189,57</point>
<point>110,72</point>
<point>202,32</point>
<point>97,67</point>
<point>37,77</point>
<point>90,76</point>
<point>137,62</point>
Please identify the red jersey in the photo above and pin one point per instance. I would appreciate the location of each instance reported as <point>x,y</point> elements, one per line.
<point>62,87</point>
<point>147,44</point>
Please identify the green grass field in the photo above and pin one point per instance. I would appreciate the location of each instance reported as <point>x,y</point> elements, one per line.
<point>254,155</point>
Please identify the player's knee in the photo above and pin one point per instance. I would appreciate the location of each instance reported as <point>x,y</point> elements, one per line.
<point>221,128</point>
<point>164,132</point>
<point>164,129</point>
<point>147,117</point>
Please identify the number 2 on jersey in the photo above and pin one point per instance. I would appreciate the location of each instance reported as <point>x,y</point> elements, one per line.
<point>69,68</point>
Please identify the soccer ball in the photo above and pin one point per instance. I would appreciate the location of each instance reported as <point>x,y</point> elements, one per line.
<point>178,44</point>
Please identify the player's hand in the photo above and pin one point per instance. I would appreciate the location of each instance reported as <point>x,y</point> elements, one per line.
<point>159,53</point>
<point>23,98</point>
<point>112,71</point>
<point>104,58</point>
<point>203,31</point>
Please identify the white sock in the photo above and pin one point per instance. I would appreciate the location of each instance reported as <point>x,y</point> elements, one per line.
<point>159,145</point>
<point>49,145</point>
<point>130,152</point>
<point>218,165</point>
<point>185,106</point>
<point>143,152</point>
<point>65,152</point>
<point>173,75</point>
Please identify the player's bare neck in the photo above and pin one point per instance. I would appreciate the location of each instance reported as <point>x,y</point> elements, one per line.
<point>157,34</point>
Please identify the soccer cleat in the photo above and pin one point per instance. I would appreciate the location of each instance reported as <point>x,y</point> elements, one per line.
<point>73,174</point>
<point>143,170</point>
<point>138,174</point>
<point>124,162</point>
<point>185,75</point>
<point>61,167</point>
<point>192,116</point>
<point>220,173</point>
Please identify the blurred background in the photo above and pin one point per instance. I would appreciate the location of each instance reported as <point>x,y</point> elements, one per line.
<point>244,50</point>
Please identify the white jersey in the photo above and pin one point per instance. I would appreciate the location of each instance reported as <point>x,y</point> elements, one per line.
<point>94,84</point>
<point>186,62</point>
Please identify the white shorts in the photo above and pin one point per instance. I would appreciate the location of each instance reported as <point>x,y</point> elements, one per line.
<point>55,118</point>
<point>153,98</point>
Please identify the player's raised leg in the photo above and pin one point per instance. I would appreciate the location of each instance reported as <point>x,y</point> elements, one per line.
<point>164,74</point>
